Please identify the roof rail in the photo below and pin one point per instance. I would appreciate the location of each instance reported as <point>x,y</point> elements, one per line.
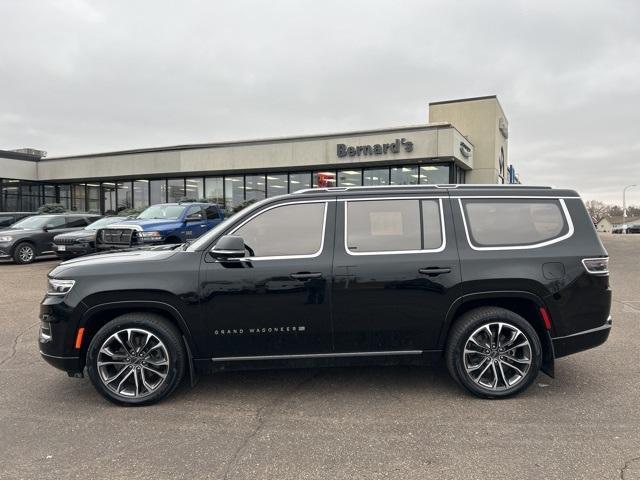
<point>431,186</point>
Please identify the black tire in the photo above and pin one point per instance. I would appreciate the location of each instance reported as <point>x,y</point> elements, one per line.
<point>473,321</point>
<point>167,334</point>
<point>23,253</point>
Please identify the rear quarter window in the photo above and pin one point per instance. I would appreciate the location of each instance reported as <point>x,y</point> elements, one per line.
<point>514,222</point>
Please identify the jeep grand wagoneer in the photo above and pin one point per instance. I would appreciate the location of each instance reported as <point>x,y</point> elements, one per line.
<point>497,281</point>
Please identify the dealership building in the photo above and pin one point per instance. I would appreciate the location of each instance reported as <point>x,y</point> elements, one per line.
<point>464,141</point>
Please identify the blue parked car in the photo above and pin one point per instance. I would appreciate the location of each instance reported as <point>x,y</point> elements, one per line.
<point>165,223</point>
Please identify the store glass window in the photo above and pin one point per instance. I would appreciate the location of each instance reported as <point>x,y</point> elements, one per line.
<point>10,195</point>
<point>195,188</point>
<point>109,198</point>
<point>93,197</point>
<point>140,193</point>
<point>125,196</point>
<point>434,174</point>
<point>50,194</point>
<point>64,196</point>
<point>324,179</point>
<point>214,188</point>
<point>233,191</point>
<point>276,184</point>
<point>30,193</point>
<point>376,176</point>
<point>175,189</point>
<point>349,178</point>
<point>157,192</point>
<point>255,187</point>
<point>404,175</point>
<point>299,180</point>
<point>79,198</point>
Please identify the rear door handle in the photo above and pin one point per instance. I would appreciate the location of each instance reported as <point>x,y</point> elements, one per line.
<point>434,271</point>
<point>305,275</point>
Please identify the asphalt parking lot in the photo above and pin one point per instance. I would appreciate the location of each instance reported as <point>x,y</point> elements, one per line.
<point>387,422</point>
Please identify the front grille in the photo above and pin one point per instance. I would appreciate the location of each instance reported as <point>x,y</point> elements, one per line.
<point>117,236</point>
<point>64,241</point>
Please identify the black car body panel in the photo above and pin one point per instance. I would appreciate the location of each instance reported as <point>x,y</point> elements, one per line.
<point>340,305</point>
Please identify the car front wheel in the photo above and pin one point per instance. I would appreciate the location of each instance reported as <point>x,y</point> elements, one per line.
<point>136,359</point>
<point>24,253</point>
<point>493,352</point>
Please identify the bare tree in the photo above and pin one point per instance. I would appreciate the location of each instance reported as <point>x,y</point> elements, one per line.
<point>597,210</point>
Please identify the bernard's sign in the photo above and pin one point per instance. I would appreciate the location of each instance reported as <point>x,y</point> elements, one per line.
<point>400,144</point>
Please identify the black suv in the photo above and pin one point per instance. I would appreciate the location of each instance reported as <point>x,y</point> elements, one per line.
<point>497,281</point>
<point>33,236</point>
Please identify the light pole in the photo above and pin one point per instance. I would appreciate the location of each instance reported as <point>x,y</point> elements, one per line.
<point>624,207</point>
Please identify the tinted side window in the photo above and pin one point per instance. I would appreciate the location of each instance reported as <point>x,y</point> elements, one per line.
<point>212,212</point>
<point>194,213</point>
<point>74,222</point>
<point>393,225</point>
<point>56,222</point>
<point>286,230</point>
<point>513,222</point>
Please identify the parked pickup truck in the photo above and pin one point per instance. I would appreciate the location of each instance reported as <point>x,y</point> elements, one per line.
<point>162,223</point>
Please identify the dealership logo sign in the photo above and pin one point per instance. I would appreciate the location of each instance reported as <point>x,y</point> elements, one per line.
<point>400,144</point>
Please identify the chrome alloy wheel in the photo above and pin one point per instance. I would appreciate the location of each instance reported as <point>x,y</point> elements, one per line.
<point>133,363</point>
<point>26,253</point>
<point>497,356</point>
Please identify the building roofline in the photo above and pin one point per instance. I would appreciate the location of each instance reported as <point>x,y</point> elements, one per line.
<point>19,156</point>
<point>260,141</point>
<point>469,99</point>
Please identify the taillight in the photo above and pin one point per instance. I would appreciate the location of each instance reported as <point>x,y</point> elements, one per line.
<point>596,266</point>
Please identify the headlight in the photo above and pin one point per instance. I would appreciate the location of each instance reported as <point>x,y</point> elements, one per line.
<point>150,235</point>
<point>60,287</point>
<point>6,239</point>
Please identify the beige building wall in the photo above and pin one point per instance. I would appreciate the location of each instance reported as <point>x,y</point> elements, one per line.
<point>430,143</point>
<point>483,122</point>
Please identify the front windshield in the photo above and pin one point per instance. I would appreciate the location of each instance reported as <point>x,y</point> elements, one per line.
<point>103,222</point>
<point>204,240</point>
<point>33,222</point>
<point>162,212</point>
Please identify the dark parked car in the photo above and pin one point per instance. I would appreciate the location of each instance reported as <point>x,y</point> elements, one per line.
<point>9,218</point>
<point>81,242</point>
<point>164,223</point>
<point>33,236</point>
<point>497,281</point>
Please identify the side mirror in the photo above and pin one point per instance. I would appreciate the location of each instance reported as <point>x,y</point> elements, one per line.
<point>229,246</point>
<point>48,227</point>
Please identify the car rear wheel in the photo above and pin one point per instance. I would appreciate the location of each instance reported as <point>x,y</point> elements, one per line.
<point>493,352</point>
<point>24,253</point>
<point>136,359</point>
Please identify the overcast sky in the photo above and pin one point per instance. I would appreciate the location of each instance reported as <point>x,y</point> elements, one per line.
<point>86,76</point>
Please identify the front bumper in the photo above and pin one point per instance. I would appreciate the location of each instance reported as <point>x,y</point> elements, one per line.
<point>5,249</point>
<point>56,338</point>
<point>73,250</point>
<point>577,342</point>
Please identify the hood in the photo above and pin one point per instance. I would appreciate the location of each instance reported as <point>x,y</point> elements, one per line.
<point>90,234</point>
<point>115,259</point>
<point>147,224</point>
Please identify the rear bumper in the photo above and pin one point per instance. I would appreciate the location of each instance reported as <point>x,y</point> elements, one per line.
<point>577,342</point>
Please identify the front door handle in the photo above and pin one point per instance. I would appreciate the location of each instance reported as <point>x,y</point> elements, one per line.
<point>305,275</point>
<point>434,271</point>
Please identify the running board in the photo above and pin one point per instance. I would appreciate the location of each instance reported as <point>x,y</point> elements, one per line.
<point>319,355</point>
